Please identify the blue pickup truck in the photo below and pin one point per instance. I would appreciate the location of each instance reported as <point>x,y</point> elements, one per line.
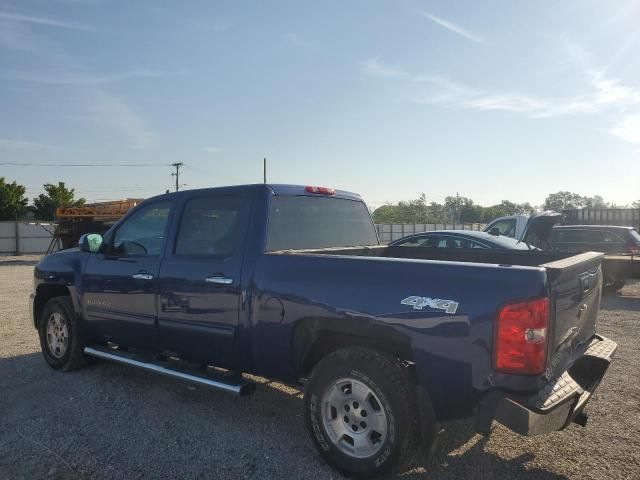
<point>291,283</point>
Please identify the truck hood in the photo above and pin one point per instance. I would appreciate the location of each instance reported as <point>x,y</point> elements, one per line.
<point>537,231</point>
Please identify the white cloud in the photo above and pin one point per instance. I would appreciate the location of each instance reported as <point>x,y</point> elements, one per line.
<point>628,128</point>
<point>88,94</point>
<point>452,27</point>
<point>49,22</point>
<point>120,116</point>
<point>212,149</point>
<point>604,93</point>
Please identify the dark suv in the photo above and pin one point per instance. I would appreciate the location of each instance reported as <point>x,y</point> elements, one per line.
<point>611,240</point>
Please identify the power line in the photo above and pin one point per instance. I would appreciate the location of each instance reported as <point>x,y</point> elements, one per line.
<point>16,164</point>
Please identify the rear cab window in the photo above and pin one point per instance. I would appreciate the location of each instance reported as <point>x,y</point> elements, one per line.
<point>304,222</point>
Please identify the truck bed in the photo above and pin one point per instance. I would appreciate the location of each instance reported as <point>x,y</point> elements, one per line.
<point>525,258</point>
<point>471,277</point>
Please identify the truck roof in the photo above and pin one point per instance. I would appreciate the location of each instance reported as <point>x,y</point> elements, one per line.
<point>275,188</point>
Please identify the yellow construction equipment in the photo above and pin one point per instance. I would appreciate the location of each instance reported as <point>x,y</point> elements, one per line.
<point>72,222</point>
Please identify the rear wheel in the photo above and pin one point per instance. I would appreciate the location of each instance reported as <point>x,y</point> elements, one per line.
<point>360,409</point>
<point>61,335</point>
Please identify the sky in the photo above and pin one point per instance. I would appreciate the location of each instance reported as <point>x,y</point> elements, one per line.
<point>491,100</point>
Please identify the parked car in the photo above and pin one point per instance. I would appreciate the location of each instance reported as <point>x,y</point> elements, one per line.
<point>609,239</point>
<point>543,230</point>
<point>290,282</point>
<point>461,239</point>
<point>534,229</point>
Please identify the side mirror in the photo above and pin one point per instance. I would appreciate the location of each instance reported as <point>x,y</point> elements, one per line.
<point>494,231</point>
<point>90,242</point>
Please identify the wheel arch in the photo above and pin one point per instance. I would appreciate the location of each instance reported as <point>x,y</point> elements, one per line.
<point>46,292</point>
<point>315,338</point>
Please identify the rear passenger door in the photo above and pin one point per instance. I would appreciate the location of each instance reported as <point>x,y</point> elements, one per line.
<point>199,287</point>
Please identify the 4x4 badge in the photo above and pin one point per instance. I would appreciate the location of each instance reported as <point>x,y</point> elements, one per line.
<point>418,303</point>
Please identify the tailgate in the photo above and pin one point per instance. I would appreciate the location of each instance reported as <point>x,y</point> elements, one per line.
<point>575,285</point>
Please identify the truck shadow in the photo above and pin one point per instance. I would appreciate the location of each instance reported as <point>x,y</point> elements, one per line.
<point>111,412</point>
<point>14,263</point>
<point>461,454</point>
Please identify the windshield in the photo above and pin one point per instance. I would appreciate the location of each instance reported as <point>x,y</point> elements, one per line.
<point>636,236</point>
<point>298,222</point>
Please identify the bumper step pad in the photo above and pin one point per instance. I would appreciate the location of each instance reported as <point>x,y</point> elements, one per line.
<point>565,386</point>
<point>555,406</point>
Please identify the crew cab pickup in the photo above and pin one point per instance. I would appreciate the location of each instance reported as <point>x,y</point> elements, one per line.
<point>291,283</point>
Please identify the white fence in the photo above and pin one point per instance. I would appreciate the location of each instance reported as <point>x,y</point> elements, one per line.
<point>18,238</point>
<point>32,238</point>
<point>388,232</point>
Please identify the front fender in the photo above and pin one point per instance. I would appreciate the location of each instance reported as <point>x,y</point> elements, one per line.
<point>56,275</point>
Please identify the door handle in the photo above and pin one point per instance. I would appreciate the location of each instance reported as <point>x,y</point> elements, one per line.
<point>142,276</point>
<point>219,280</point>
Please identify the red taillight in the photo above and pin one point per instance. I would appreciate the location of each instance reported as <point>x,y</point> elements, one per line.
<point>520,341</point>
<point>320,190</point>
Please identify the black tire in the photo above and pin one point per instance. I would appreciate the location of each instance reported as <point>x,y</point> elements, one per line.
<point>73,356</point>
<point>390,382</point>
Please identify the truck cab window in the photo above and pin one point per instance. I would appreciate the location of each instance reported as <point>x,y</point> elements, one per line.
<point>209,227</point>
<point>142,234</point>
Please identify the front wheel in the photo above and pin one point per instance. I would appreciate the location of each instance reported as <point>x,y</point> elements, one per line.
<point>61,335</point>
<point>359,408</point>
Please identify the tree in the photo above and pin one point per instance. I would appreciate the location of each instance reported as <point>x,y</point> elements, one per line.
<point>410,211</point>
<point>595,202</point>
<point>12,200</point>
<point>636,204</point>
<point>462,210</point>
<point>59,195</point>
<point>505,208</point>
<point>454,210</point>
<point>568,201</point>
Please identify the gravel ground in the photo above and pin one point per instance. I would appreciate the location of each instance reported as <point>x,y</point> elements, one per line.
<point>110,422</point>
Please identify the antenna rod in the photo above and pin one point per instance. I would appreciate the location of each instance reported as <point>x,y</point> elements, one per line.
<point>264,169</point>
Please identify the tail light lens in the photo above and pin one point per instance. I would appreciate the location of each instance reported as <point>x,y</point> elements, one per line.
<point>520,341</point>
<point>633,250</point>
<point>320,190</point>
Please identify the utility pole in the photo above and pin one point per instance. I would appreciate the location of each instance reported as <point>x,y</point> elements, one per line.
<point>264,169</point>
<point>177,166</point>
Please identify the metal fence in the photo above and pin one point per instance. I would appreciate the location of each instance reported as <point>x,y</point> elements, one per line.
<point>629,217</point>
<point>18,238</point>
<point>388,232</point>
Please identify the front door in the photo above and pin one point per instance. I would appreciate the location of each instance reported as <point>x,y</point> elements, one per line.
<point>120,285</point>
<point>199,289</point>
